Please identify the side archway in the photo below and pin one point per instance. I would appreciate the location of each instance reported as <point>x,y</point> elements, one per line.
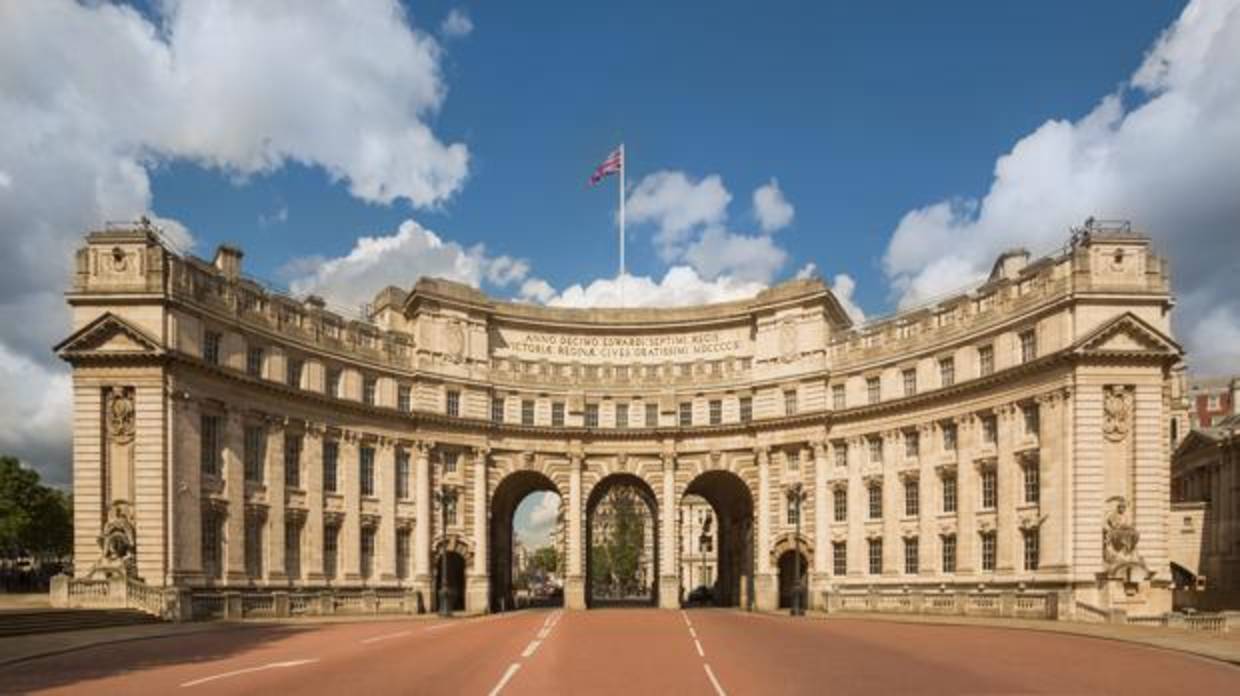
<point>504,501</point>
<point>732,503</point>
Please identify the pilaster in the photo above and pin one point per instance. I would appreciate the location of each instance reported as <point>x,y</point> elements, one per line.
<point>234,488</point>
<point>348,469</point>
<point>385,475</point>
<point>274,471</point>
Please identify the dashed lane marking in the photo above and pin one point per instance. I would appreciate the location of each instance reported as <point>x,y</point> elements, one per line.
<point>718,689</point>
<point>698,645</point>
<point>248,670</point>
<point>386,636</point>
<point>512,669</point>
<point>529,649</point>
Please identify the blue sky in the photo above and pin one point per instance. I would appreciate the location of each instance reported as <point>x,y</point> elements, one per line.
<point>892,149</point>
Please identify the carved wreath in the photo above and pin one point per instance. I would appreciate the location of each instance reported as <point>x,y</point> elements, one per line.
<point>1115,413</point>
<point>120,416</point>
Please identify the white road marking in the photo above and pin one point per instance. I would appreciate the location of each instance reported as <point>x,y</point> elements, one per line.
<point>699,648</point>
<point>436,627</point>
<point>238,672</point>
<point>512,669</point>
<point>543,633</point>
<point>529,649</point>
<point>718,689</point>
<point>387,636</point>
<point>685,616</point>
<point>692,632</point>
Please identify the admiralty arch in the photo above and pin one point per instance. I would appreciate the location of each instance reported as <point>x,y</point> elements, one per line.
<point>1012,440</point>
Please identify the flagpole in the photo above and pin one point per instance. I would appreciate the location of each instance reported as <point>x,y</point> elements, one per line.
<point>622,168</point>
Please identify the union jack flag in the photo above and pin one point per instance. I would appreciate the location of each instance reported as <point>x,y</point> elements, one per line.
<point>612,165</point>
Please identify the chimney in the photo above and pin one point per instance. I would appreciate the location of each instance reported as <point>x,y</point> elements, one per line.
<point>228,261</point>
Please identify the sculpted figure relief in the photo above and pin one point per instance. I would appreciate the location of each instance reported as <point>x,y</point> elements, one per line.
<point>120,418</point>
<point>117,544</point>
<point>1119,544</point>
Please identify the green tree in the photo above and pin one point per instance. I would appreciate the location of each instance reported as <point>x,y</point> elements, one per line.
<point>545,560</point>
<point>34,519</point>
<point>617,554</point>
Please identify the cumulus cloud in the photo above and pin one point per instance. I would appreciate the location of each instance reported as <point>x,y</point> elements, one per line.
<point>536,517</point>
<point>456,25</point>
<point>772,209</point>
<point>347,86</point>
<point>1160,151</point>
<point>681,285</point>
<point>399,259</point>
<point>677,205</point>
<point>842,286</point>
<point>745,257</point>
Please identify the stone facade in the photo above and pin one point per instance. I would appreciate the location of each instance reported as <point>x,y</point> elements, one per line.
<point>1013,438</point>
<point>1205,487</point>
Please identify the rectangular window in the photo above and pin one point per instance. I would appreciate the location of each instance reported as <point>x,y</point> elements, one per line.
<point>591,415</point>
<point>1031,541</point>
<point>292,461</point>
<point>990,429</point>
<point>790,512</point>
<point>839,500</point>
<point>254,361</point>
<point>254,453</point>
<point>254,546</point>
<point>292,550</point>
<point>331,452</point>
<point>453,403</point>
<point>686,414</point>
<point>527,411</point>
<point>497,409</point>
<point>912,498</point>
<point>990,489</point>
<point>986,360</point>
<point>292,372</point>
<point>949,437</point>
<point>793,460</point>
<point>876,501</point>
<point>838,399</point>
<point>988,551</point>
<point>652,415</point>
<point>212,544</point>
<point>447,460</point>
<point>333,382</point>
<point>211,347</point>
<point>368,551</point>
<point>911,548</point>
<point>449,508</point>
<point>404,398</point>
<point>366,462</point>
<point>873,390</point>
<point>876,449</point>
<point>622,415</point>
<point>841,455</point>
<point>1029,413</point>
<point>910,382</point>
<point>790,402</point>
<point>949,494</point>
<point>949,553</point>
<point>209,444</point>
<point>402,554</point>
<point>1028,345</point>
<point>331,537</point>
<point>716,412</point>
<point>557,413</point>
<point>839,557</point>
<point>876,556</point>
<point>746,404</point>
<point>912,444</point>
<point>1033,486</point>
<point>402,473</point>
<point>947,372</point>
<point>368,390</point>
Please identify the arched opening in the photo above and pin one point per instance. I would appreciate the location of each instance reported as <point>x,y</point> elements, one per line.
<point>449,568</point>
<point>729,542</point>
<point>792,577</point>
<point>510,561</point>
<point>622,549</point>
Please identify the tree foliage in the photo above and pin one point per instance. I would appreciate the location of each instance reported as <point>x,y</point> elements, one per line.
<point>616,556</point>
<point>35,519</point>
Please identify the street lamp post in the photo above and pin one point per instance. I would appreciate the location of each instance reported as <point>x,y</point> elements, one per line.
<point>796,494</point>
<point>444,495</point>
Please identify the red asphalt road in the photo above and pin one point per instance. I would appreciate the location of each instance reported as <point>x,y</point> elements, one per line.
<point>622,651</point>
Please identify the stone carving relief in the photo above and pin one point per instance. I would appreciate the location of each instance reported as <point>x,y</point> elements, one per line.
<point>788,341</point>
<point>1119,545</point>
<point>117,545</point>
<point>454,341</point>
<point>120,415</point>
<point>1116,413</point>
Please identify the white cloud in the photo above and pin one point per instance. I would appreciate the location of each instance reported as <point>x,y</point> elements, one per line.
<point>536,517</point>
<point>348,86</point>
<point>745,257</point>
<point>772,209</point>
<point>456,25</point>
<point>842,287</point>
<point>681,285</point>
<point>35,414</point>
<point>678,206</point>
<point>1161,152</point>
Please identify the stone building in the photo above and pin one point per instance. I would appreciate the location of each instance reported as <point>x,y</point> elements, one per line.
<point>1205,488</point>
<point>697,543</point>
<point>1014,438</point>
<point>1211,399</point>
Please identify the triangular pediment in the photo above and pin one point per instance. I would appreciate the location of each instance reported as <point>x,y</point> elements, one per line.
<point>1195,440</point>
<point>1127,334</point>
<point>108,336</point>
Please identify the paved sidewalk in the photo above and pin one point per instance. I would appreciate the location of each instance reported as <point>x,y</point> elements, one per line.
<point>1217,646</point>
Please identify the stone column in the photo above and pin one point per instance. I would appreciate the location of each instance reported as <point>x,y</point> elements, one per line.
<point>348,471</point>
<point>385,481</point>
<point>858,509</point>
<point>234,487</point>
<point>669,575</point>
<point>575,583</point>
<point>186,512</point>
<point>423,512</point>
<point>312,481</point>
<point>766,585</point>
<point>1008,544</point>
<point>968,497</point>
<point>1053,454</point>
<point>893,505</point>
<point>478,590</point>
<point>822,536</point>
<point>274,469</point>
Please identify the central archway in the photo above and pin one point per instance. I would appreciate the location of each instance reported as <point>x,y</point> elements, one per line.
<point>622,549</point>
<point>508,495</point>
<point>732,503</point>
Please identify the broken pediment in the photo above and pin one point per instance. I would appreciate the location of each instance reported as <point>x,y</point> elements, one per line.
<point>108,336</point>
